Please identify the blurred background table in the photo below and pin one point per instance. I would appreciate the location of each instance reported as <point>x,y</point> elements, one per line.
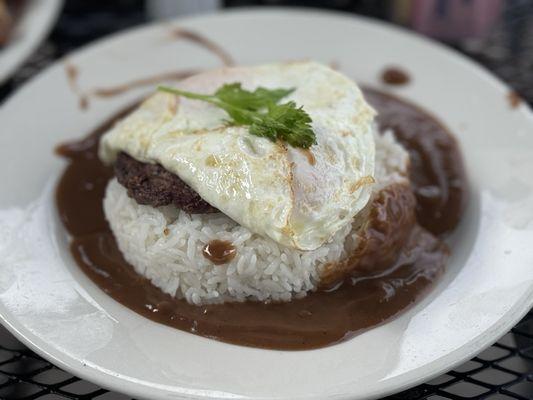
<point>496,33</point>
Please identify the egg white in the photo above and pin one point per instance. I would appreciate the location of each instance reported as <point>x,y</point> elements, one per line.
<point>299,198</point>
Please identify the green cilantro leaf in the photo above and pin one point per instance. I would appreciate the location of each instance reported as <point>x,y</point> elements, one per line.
<point>259,110</point>
<point>260,98</point>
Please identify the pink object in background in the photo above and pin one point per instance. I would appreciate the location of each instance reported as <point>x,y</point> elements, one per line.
<point>454,19</point>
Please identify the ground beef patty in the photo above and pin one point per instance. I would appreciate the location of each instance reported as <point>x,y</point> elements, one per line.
<point>153,185</point>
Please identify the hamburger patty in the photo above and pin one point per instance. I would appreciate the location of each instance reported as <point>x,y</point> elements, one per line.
<point>153,185</point>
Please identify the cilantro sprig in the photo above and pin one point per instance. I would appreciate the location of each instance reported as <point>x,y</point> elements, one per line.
<point>260,111</point>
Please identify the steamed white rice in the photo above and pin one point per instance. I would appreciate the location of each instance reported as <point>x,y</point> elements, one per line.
<point>165,245</point>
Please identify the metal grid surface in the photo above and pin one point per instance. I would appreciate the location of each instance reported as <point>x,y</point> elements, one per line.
<point>502,372</point>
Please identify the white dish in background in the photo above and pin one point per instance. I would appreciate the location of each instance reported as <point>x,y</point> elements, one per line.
<point>47,302</point>
<point>30,30</point>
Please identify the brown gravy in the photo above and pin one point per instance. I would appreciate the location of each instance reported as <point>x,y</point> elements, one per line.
<point>219,252</point>
<point>319,319</point>
<point>395,76</point>
<point>514,99</point>
<point>309,155</point>
<point>72,71</point>
<point>112,91</point>
<point>437,171</point>
<point>209,45</point>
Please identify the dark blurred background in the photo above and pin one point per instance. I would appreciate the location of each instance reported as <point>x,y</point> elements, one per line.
<point>496,33</point>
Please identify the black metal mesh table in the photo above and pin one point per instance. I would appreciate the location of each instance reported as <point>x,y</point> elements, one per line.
<point>502,372</point>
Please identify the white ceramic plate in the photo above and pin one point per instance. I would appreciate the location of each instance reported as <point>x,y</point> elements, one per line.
<point>50,305</point>
<point>30,30</point>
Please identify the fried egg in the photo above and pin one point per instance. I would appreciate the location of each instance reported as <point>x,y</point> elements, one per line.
<point>299,198</point>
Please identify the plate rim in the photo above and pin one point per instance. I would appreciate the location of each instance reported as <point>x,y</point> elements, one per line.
<point>32,38</point>
<point>112,381</point>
